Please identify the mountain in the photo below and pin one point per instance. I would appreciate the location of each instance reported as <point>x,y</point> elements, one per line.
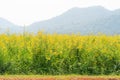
<point>73,21</point>
<point>8,27</point>
<point>88,20</point>
<point>109,25</point>
<point>117,12</point>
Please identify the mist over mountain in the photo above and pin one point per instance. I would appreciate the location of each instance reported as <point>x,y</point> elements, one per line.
<point>8,27</point>
<point>76,20</point>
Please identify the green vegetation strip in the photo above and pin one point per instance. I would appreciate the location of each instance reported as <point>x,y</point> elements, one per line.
<point>54,54</point>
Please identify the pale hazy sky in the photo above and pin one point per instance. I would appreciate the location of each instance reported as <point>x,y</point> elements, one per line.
<point>26,12</point>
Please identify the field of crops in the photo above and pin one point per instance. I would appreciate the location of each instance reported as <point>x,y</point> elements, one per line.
<point>54,54</point>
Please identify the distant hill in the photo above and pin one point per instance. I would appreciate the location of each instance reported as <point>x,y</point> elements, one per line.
<point>8,27</point>
<point>76,20</point>
<point>84,20</point>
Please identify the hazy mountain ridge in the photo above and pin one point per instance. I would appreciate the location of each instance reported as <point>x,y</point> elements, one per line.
<point>8,27</point>
<point>84,20</point>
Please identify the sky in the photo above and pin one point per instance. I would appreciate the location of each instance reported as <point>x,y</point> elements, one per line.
<point>26,12</point>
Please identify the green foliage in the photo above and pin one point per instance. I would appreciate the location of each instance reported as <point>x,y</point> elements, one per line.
<point>59,54</point>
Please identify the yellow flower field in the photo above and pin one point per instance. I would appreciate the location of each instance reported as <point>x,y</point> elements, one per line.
<point>59,54</point>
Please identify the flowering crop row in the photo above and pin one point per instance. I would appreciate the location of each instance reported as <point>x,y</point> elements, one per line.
<point>59,54</point>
